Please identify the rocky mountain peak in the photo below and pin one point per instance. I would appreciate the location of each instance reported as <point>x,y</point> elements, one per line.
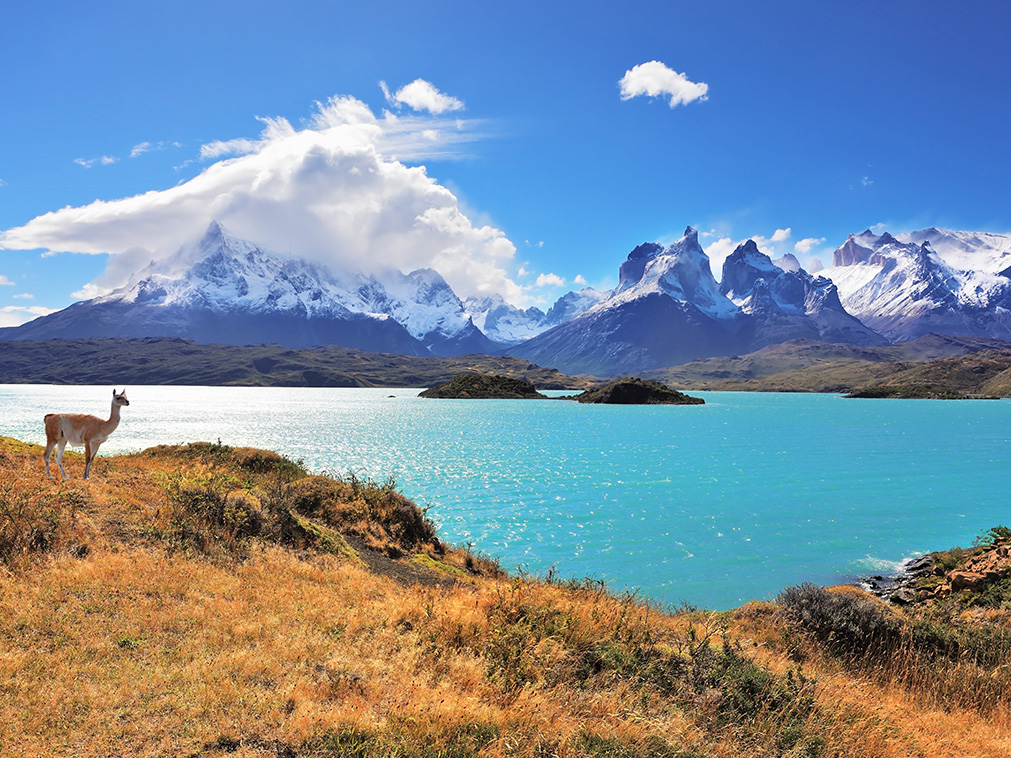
<point>851,253</point>
<point>632,269</point>
<point>744,268</point>
<point>645,250</point>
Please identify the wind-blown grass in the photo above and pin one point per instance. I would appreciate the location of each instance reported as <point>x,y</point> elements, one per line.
<point>202,600</point>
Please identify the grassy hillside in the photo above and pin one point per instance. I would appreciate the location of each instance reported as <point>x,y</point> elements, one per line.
<point>164,360</point>
<point>201,600</point>
<point>956,365</point>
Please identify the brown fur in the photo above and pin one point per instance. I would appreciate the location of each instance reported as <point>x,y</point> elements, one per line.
<point>80,429</point>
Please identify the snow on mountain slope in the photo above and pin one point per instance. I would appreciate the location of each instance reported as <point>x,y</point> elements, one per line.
<point>788,304</point>
<point>431,311</point>
<point>224,289</point>
<point>966,251</point>
<point>681,272</point>
<point>905,289</point>
<point>503,322</point>
<point>667,309</point>
<point>508,324</point>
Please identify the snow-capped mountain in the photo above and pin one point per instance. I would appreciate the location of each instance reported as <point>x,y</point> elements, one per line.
<point>666,309</point>
<point>226,290</point>
<point>510,325</point>
<point>788,303</point>
<point>904,287</point>
<point>503,322</point>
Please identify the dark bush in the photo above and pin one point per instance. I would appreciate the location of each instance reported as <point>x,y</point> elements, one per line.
<point>267,462</point>
<point>849,624</point>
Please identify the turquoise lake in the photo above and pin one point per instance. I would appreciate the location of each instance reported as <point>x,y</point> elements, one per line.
<point>710,505</point>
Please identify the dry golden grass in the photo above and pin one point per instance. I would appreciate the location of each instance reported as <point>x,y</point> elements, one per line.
<point>169,607</point>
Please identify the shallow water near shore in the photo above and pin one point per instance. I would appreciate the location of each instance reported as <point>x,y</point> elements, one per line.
<point>711,505</point>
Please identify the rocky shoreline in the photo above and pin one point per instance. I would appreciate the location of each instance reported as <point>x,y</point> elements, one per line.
<point>901,587</point>
<point>937,575</point>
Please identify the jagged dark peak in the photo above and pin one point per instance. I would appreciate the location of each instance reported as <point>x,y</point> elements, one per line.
<point>745,268</point>
<point>645,250</point>
<point>691,233</point>
<point>747,253</point>
<point>887,239</point>
<point>632,268</point>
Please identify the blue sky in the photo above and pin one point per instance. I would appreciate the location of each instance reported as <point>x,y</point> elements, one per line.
<point>531,167</point>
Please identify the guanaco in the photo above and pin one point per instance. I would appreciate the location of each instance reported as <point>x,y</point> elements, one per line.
<point>81,429</point>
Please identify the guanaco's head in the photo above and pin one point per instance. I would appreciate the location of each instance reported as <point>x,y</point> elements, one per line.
<point>119,398</point>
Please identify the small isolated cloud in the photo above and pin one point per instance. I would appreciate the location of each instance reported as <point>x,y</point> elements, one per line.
<point>781,235</point>
<point>151,147</point>
<point>105,160</point>
<point>805,245</point>
<point>24,296</point>
<point>550,280</point>
<point>5,282</point>
<point>15,315</point>
<point>580,280</point>
<point>866,181</point>
<point>420,95</point>
<point>654,79</point>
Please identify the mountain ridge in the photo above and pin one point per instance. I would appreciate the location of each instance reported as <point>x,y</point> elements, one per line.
<point>667,308</point>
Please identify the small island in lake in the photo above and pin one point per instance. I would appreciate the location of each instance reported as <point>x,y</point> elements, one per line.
<point>483,387</point>
<point>634,391</point>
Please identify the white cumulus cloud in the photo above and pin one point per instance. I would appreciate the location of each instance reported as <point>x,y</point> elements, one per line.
<point>781,235</point>
<point>23,296</point>
<point>805,245</point>
<point>5,282</point>
<point>334,191</point>
<point>420,95</point>
<point>655,79</point>
<point>550,280</point>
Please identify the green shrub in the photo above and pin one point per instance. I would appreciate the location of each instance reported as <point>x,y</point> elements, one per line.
<point>994,535</point>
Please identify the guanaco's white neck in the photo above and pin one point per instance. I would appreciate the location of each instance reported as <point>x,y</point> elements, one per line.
<point>113,421</point>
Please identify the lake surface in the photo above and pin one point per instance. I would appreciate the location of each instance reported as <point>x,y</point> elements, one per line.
<point>711,505</point>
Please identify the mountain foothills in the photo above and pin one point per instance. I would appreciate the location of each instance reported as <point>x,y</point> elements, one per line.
<point>668,308</point>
